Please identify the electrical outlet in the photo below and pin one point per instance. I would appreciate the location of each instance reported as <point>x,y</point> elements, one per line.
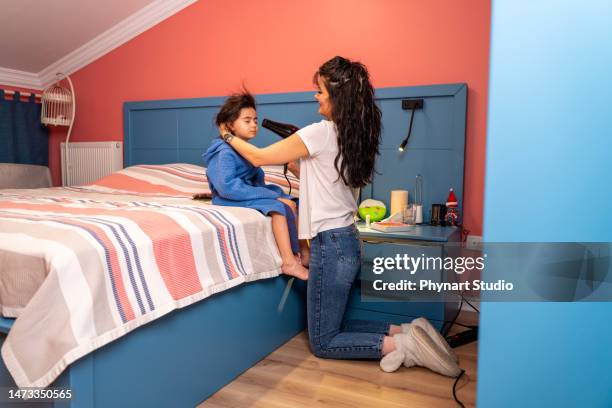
<point>473,242</point>
<point>408,104</point>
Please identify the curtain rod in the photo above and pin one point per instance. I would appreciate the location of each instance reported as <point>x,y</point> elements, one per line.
<point>22,94</point>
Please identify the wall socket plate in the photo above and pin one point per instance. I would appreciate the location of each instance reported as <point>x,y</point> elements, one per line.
<point>473,242</point>
<point>409,104</point>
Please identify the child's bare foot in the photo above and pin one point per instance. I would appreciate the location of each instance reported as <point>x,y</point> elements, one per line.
<point>294,268</point>
<point>305,256</point>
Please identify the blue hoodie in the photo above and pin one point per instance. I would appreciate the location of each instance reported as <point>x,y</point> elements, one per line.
<point>236,182</point>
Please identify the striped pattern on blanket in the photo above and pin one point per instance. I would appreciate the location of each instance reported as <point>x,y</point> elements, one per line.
<point>176,180</point>
<point>117,254</point>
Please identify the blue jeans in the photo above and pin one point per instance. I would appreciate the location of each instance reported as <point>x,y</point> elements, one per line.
<point>335,260</point>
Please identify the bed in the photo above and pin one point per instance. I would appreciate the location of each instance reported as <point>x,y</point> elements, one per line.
<point>185,355</point>
<point>84,266</point>
<point>131,204</point>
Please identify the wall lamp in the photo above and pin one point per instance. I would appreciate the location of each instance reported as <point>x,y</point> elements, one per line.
<point>410,104</point>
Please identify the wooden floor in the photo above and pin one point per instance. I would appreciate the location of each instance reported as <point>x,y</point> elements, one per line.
<point>292,377</point>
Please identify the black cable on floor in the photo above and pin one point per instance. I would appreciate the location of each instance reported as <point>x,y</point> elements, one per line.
<point>455,389</point>
<point>450,321</point>
<point>454,321</point>
<point>469,304</point>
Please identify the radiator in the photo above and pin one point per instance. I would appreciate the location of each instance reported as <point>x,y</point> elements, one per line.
<point>86,162</point>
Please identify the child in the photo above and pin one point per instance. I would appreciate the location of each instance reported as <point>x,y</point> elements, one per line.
<point>235,182</point>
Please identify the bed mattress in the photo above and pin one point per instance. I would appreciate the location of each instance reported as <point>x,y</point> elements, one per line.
<point>82,266</point>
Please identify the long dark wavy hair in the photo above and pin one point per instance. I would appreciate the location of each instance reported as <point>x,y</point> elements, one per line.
<point>357,118</point>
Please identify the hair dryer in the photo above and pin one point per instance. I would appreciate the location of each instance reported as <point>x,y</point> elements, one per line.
<point>284,130</point>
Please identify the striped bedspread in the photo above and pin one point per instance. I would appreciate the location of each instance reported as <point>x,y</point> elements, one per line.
<point>82,266</point>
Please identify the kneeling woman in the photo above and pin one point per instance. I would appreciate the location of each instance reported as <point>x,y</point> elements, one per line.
<point>337,156</point>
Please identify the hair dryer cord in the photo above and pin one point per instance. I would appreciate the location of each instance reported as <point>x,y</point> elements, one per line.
<point>285,168</point>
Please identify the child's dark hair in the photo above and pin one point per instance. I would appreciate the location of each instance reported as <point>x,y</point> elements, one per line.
<point>356,116</point>
<point>230,111</point>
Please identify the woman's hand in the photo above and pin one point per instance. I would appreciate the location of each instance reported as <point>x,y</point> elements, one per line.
<point>223,129</point>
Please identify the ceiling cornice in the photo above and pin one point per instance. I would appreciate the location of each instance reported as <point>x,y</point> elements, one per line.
<point>21,79</point>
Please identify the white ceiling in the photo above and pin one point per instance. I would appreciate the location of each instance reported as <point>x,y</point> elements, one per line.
<point>39,38</point>
<point>36,33</point>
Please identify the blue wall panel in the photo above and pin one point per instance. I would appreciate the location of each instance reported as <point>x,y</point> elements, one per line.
<point>194,125</point>
<point>441,170</point>
<point>548,147</point>
<point>435,149</point>
<point>432,127</point>
<point>159,127</point>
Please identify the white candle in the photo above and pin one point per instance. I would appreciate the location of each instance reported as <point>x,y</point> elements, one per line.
<point>399,201</point>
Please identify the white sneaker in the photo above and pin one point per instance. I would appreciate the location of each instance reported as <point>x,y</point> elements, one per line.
<point>416,348</point>
<point>431,331</point>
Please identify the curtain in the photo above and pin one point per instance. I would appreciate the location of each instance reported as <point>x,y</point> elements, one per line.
<point>23,139</point>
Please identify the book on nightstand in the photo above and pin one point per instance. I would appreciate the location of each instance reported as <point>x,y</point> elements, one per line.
<point>391,226</point>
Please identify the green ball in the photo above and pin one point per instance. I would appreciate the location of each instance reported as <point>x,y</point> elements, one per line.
<point>374,208</point>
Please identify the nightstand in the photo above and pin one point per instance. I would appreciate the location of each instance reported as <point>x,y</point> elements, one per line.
<point>424,240</point>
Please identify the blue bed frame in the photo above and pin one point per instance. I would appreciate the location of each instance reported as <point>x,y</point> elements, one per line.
<point>181,359</point>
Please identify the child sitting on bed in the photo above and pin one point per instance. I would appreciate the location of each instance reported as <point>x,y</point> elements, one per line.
<point>235,182</point>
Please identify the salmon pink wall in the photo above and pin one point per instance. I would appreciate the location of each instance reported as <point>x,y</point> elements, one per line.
<point>212,46</point>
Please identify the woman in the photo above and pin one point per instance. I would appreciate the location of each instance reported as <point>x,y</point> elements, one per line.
<point>344,145</point>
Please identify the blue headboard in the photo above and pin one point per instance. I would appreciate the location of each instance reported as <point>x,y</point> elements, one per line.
<point>172,131</point>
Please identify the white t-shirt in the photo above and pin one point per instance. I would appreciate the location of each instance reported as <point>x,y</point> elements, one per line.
<point>325,201</point>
